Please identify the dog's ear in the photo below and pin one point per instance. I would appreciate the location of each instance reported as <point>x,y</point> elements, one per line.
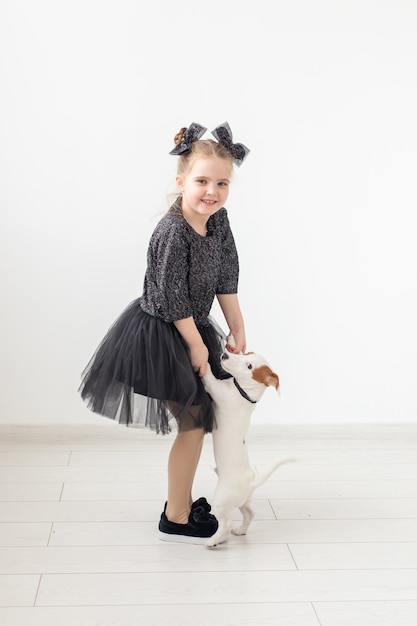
<point>273,379</point>
<point>265,375</point>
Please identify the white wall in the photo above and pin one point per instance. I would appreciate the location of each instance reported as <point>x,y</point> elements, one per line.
<point>323,210</point>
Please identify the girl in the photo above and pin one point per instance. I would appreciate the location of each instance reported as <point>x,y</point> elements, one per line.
<point>148,368</point>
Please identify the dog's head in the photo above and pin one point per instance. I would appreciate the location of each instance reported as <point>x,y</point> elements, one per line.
<point>252,372</point>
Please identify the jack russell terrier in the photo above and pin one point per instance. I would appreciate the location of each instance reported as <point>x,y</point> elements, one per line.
<point>234,400</point>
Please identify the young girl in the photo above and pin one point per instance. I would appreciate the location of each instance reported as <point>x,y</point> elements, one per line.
<point>148,368</point>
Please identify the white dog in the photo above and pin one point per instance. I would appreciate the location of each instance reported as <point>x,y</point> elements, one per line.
<point>234,400</point>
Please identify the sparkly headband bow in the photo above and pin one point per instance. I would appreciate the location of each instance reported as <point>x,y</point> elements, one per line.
<point>193,132</point>
<point>222,133</point>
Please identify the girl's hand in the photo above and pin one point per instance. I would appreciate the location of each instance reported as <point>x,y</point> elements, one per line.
<point>199,358</point>
<point>229,304</point>
<point>236,343</point>
<point>196,348</point>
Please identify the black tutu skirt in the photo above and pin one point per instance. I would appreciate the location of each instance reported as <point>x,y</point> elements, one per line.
<point>141,374</point>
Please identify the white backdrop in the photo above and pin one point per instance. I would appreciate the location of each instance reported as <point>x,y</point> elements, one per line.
<point>323,210</point>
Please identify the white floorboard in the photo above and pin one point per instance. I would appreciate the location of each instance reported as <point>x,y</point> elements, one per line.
<point>333,543</point>
<point>231,614</point>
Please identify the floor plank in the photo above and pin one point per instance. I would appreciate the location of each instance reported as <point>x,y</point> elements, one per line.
<point>334,539</point>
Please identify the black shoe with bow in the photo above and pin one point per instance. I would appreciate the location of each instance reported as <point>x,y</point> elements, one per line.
<point>202,502</point>
<point>200,526</point>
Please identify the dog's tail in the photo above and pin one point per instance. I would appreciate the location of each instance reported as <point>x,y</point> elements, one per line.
<point>260,478</point>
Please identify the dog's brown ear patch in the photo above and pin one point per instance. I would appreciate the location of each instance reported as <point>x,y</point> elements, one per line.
<point>265,375</point>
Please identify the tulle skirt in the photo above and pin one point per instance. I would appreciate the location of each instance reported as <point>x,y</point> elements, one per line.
<point>141,374</point>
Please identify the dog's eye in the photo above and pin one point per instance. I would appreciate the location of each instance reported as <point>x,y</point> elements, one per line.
<point>249,366</point>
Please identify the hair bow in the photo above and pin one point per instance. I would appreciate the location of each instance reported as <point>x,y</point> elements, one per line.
<point>193,132</point>
<point>223,134</point>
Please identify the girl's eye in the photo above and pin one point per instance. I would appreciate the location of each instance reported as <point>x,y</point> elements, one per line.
<point>249,366</point>
<point>202,181</point>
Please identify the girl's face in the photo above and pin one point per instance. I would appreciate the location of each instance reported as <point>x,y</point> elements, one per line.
<point>204,188</point>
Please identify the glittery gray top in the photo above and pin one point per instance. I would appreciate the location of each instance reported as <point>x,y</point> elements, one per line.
<point>186,270</point>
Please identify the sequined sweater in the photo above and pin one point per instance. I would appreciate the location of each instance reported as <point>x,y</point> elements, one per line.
<point>185,271</point>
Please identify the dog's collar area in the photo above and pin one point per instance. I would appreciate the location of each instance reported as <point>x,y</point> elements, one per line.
<point>243,392</point>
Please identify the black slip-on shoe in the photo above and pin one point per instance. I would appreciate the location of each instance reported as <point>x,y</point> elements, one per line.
<point>206,506</point>
<point>199,528</point>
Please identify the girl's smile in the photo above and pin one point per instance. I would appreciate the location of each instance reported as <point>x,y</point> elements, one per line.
<point>205,189</point>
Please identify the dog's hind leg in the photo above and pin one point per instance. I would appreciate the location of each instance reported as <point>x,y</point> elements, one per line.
<point>223,515</point>
<point>248,515</point>
<point>220,535</point>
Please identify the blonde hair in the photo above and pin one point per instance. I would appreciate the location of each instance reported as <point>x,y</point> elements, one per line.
<point>201,148</point>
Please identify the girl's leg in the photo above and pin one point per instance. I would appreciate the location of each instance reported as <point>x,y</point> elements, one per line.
<point>182,464</point>
<point>190,499</point>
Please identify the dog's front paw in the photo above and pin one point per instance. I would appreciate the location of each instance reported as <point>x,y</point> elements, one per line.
<point>208,379</point>
<point>208,372</point>
<point>230,343</point>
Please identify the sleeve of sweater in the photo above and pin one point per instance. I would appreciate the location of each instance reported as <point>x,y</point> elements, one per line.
<point>229,268</point>
<point>169,257</point>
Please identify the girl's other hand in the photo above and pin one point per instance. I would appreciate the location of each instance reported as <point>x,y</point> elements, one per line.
<point>199,358</point>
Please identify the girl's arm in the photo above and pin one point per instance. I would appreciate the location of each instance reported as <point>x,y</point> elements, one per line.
<point>198,351</point>
<point>229,304</point>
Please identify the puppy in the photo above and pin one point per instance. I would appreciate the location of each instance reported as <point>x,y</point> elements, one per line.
<point>234,400</point>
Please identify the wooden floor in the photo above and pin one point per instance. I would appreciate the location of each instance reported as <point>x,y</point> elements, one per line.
<point>334,541</point>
